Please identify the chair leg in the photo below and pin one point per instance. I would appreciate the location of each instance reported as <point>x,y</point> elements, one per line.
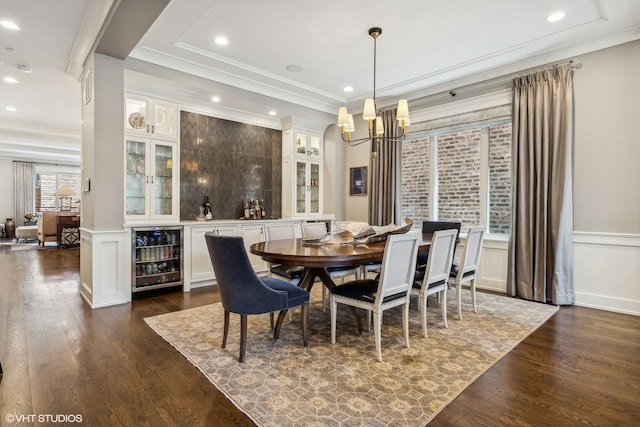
<point>271,321</point>
<point>358,319</point>
<point>459,298</point>
<point>472,288</point>
<point>243,338</point>
<point>443,306</point>
<point>334,309</point>
<point>304,313</point>
<point>423,315</point>
<point>405,323</point>
<point>276,331</point>
<point>225,330</point>
<point>377,326</point>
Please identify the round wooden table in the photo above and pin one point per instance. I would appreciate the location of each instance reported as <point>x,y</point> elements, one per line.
<point>316,258</point>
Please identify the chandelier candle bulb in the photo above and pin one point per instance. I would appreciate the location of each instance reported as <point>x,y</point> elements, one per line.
<point>379,126</point>
<point>369,111</point>
<point>343,118</point>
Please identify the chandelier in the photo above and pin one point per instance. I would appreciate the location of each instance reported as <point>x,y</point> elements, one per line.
<point>370,113</point>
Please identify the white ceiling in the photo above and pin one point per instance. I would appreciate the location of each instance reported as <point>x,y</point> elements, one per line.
<point>426,47</point>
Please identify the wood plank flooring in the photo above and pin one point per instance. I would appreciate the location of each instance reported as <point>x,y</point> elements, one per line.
<point>106,365</point>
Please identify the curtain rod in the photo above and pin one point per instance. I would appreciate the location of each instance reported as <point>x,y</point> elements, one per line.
<point>575,65</point>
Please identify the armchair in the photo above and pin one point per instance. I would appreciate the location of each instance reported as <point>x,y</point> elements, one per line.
<point>244,293</point>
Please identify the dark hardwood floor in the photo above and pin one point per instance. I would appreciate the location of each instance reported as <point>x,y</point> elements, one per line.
<point>582,367</point>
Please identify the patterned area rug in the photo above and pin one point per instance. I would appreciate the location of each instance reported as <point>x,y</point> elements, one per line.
<point>283,383</point>
<point>24,246</point>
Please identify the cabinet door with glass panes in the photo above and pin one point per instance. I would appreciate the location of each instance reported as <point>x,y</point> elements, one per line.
<point>308,187</point>
<point>151,180</point>
<point>151,117</point>
<point>308,146</point>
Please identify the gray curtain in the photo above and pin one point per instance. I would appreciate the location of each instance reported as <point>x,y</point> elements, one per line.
<point>384,167</point>
<point>541,242</point>
<point>23,176</point>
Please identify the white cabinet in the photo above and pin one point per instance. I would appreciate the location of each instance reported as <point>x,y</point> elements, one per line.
<point>151,180</point>
<point>307,188</point>
<point>308,145</point>
<point>199,262</point>
<point>302,179</point>
<point>151,117</point>
<point>251,234</point>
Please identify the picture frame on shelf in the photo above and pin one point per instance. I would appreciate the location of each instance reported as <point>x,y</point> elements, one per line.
<point>358,181</point>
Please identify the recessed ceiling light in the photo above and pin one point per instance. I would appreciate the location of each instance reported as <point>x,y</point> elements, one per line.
<point>10,80</point>
<point>272,113</point>
<point>11,109</point>
<point>10,25</point>
<point>215,99</point>
<point>24,68</point>
<point>555,16</point>
<point>293,68</point>
<point>348,88</point>
<point>222,41</point>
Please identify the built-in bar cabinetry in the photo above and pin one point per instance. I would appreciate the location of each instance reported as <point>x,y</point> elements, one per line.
<point>152,174</point>
<point>156,258</point>
<point>198,270</point>
<point>151,117</point>
<point>302,170</point>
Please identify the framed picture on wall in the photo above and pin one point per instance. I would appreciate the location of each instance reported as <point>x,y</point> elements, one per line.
<point>358,181</point>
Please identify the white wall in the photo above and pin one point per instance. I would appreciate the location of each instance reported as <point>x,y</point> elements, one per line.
<point>6,190</point>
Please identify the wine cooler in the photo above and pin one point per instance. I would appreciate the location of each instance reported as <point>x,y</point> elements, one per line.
<point>156,258</point>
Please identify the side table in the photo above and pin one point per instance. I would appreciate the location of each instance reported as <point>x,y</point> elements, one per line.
<point>68,231</point>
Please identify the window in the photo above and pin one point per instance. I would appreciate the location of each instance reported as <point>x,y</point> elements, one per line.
<point>460,173</point>
<point>47,184</point>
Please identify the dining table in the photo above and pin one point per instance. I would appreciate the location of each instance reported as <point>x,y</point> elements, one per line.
<point>316,257</point>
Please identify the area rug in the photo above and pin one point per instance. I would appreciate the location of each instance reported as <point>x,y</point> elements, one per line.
<point>24,246</point>
<point>283,383</point>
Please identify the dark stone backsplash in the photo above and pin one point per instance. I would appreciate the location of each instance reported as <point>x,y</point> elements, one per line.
<point>229,162</point>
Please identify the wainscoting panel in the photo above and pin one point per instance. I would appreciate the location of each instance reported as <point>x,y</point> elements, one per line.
<point>607,271</point>
<point>105,267</point>
<point>493,265</point>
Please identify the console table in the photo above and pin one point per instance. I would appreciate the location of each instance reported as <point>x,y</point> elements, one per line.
<point>68,231</point>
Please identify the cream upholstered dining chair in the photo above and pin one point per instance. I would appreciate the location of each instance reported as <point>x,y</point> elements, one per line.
<point>465,273</point>
<point>392,290</point>
<point>291,273</point>
<point>365,269</point>
<point>433,279</point>
<point>432,227</point>
<point>315,230</point>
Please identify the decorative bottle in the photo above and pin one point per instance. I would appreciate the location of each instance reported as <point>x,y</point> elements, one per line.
<point>207,209</point>
<point>251,209</point>
<point>262,212</point>
<point>246,209</point>
<point>258,215</point>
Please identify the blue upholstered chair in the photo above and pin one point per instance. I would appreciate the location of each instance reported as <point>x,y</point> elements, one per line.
<point>244,293</point>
